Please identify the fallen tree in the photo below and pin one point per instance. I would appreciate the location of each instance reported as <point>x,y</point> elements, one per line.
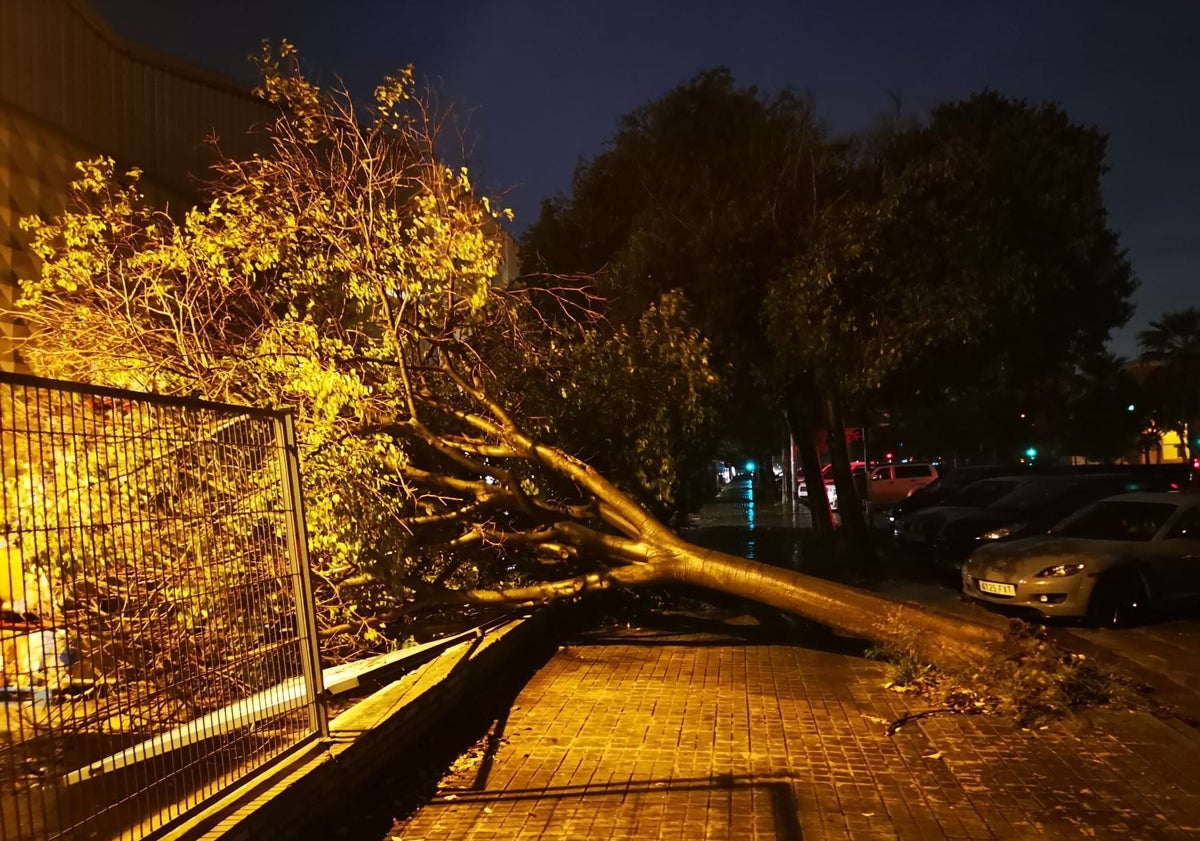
<point>599,526</point>
<point>351,275</point>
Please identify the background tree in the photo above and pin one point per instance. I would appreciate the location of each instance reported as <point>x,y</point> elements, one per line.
<point>347,273</point>
<point>963,275</point>
<point>866,297</point>
<point>1105,412</point>
<point>711,190</point>
<point>1063,281</point>
<point>958,271</point>
<point>638,403</point>
<point>1172,347</point>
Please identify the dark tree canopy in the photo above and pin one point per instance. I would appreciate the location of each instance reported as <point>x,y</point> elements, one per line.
<point>966,272</point>
<point>951,275</point>
<point>710,189</point>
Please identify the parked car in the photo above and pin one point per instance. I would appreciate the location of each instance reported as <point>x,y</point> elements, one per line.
<point>919,530</point>
<point>890,483</point>
<point>951,480</point>
<point>947,485</point>
<point>1106,563</point>
<point>1031,508</point>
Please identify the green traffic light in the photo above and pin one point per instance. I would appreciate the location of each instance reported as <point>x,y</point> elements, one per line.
<point>1031,452</point>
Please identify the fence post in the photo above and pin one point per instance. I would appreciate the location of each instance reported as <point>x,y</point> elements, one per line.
<point>289,459</point>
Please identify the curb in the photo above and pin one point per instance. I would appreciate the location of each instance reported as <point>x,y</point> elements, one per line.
<point>389,738</point>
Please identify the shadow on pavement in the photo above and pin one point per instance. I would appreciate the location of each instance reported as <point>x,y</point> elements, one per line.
<point>697,618</point>
<point>779,791</point>
<point>479,718</point>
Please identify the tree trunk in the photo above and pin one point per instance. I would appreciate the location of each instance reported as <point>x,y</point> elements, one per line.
<point>803,431</point>
<point>629,547</point>
<point>947,641</point>
<point>818,500</point>
<point>764,476</point>
<point>789,467</point>
<point>849,505</point>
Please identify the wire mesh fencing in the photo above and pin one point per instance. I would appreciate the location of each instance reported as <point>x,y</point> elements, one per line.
<point>156,640</point>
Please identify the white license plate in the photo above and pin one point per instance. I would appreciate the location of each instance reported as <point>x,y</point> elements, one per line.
<point>997,589</point>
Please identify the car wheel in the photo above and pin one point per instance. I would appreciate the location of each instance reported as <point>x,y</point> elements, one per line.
<point>1118,601</point>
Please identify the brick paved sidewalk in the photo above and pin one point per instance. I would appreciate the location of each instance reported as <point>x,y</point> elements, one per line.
<point>641,735</point>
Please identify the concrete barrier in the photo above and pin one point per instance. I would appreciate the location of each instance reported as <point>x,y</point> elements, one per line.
<point>387,735</point>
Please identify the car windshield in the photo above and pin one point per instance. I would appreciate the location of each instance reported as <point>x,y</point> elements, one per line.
<point>958,479</point>
<point>1038,494</point>
<point>855,467</point>
<point>1060,495</point>
<point>1115,519</point>
<point>982,493</point>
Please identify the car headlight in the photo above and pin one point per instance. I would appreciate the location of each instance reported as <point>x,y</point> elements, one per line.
<point>1002,532</point>
<point>1060,571</point>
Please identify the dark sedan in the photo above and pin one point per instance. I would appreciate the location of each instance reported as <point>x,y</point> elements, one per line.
<point>1036,503</point>
<point>917,531</point>
<point>948,487</point>
<point>1031,508</point>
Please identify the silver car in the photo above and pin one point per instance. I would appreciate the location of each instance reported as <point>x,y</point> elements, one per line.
<point>1106,563</point>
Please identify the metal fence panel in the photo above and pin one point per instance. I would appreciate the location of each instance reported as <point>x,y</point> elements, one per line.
<point>155,637</point>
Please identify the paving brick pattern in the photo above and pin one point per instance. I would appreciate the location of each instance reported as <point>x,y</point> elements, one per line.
<point>641,735</point>
<point>638,735</point>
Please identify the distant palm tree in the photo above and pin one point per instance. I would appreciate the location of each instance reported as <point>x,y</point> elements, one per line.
<point>1173,344</point>
<point>1175,335</point>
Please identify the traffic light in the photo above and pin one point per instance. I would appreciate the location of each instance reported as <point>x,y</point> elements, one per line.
<point>1031,453</point>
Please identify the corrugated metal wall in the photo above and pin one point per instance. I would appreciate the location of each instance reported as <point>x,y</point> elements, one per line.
<point>61,65</point>
<point>71,89</point>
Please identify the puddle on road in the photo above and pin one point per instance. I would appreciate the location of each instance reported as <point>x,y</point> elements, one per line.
<point>776,546</point>
<point>741,522</point>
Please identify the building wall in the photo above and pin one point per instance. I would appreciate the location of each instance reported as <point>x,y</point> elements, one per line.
<point>71,89</point>
<point>35,166</point>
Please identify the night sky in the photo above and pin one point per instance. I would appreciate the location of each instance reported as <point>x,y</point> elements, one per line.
<point>545,82</point>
